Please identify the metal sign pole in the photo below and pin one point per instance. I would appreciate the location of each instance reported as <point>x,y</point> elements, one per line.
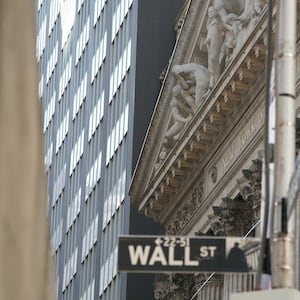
<point>283,233</point>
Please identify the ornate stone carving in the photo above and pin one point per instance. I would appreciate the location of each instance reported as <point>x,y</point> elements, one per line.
<point>216,225</point>
<point>185,212</point>
<point>236,216</point>
<point>182,110</point>
<point>214,40</point>
<point>192,84</point>
<point>163,74</point>
<point>178,26</point>
<point>253,175</point>
<point>252,10</point>
<point>194,80</point>
<point>214,174</point>
<point>230,37</point>
<point>173,287</point>
<point>225,22</point>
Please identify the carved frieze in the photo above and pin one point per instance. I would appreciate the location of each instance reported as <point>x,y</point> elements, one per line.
<point>186,211</point>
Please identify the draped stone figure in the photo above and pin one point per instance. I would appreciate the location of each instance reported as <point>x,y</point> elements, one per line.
<point>216,27</point>
<point>252,10</point>
<point>230,37</point>
<point>181,114</point>
<point>226,18</point>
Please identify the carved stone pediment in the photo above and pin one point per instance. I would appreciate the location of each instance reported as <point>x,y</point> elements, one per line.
<point>193,110</point>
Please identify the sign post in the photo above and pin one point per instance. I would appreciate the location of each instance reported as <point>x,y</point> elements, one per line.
<point>183,254</point>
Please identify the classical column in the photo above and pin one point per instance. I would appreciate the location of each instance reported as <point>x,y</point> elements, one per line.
<point>237,215</point>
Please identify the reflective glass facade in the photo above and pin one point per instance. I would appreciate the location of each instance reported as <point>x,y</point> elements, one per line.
<point>87,54</point>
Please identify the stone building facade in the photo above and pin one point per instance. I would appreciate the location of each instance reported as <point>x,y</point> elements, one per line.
<point>200,170</point>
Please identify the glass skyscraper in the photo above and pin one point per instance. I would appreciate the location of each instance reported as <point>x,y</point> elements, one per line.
<point>99,64</point>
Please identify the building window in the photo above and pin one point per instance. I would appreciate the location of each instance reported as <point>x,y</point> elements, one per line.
<point>82,40</point>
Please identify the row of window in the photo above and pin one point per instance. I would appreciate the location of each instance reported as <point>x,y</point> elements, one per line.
<point>49,126</point>
<point>68,11</point>
<point>77,139</point>
<point>74,196</point>
<point>56,214</point>
<point>69,293</point>
<point>73,210</point>
<point>54,11</point>
<point>120,70</point>
<point>79,4</point>
<point>70,269</point>
<point>40,2</point>
<point>62,131</point>
<point>52,62</point>
<point>42,21</point>
<point>41,39</point>
<point>99,6</point>
<point>89,259</point>
<point>96,116</point>
<point>76,152</point>
<point>56,261</point>
<point>56,237</point>
<point>59,184</point>
<point>99,57</point>
<point>114,199</point>
<point>65,77</point>
<point>89,292</point>
<point>60,159</point>
<point>115,171</point>
<point>82,40</point>
<point>71,240</point>
<point>87,275</point>
<point>48,157</point>
<point>89,238</point>
<point>117,134</point>
<point>80,95</point>
<point>93,175</point>
<point>41,86</point>
<point>49,111</point>
<point>108,270</point>
<point>120,13</point>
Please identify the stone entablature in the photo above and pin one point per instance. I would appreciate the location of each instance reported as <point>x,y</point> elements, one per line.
<point>184,213</point>
<point>251,125</point>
